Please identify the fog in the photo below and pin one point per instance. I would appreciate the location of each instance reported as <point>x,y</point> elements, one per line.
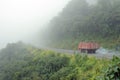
<point>24,19</point>
<point>92,1</point>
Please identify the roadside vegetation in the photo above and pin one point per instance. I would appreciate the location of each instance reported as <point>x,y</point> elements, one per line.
<point>24,62</point>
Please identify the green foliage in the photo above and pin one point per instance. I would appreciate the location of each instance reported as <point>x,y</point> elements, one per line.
<point>13,58</point>
<point>80,21</point>
<point>24,62</point>
<point>113,71</point>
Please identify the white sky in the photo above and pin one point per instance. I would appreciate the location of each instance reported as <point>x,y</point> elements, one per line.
<point>19,19</point>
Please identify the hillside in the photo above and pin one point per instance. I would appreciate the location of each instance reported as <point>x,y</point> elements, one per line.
<point>80,21</point>
<point>19,61</point>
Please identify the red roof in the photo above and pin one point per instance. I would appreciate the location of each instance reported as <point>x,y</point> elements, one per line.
<point>88,45</point>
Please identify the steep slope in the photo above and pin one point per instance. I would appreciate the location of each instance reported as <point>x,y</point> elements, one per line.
<point>80,21</point>
<point>24,62</point>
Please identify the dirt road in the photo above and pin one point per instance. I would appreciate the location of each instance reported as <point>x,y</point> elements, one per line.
<point>109,54</point>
